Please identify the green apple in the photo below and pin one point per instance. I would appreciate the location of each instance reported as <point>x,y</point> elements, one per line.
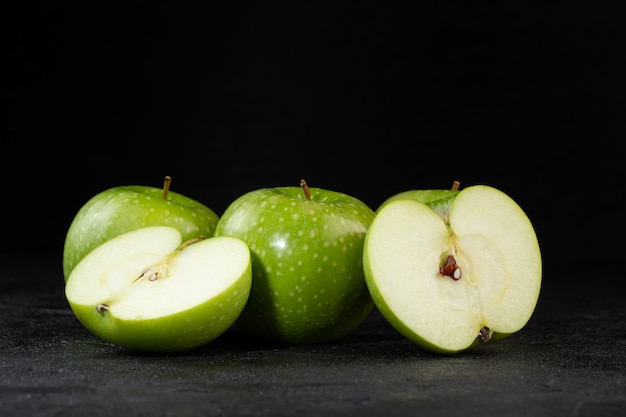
<point>122,209</point>
<point>308,284</point>
<point>436,198</point>
<point>456,271</point>
<point>149,290</point>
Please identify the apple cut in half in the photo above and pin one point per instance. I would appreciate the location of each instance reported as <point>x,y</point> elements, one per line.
<point>148,290</point>
<point>454,272</point>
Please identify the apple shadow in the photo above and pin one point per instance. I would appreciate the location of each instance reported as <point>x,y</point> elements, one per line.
<point>373,340</point>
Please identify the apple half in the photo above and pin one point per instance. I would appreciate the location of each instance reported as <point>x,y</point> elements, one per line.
<point>148,290</point>
<point>124,208</point>
<point>450,273</point>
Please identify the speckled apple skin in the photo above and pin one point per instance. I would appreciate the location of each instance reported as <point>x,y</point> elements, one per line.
<point>180,332</point>
<point>121,209</point>
<point>308,282</point>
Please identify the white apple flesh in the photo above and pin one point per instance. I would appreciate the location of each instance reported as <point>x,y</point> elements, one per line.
<point>147,290</point>
<point>122,209</point>
<point>445,278</point>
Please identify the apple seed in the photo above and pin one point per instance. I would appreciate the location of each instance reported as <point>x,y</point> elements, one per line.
<point>451,269</point>
<point>102,308</point>
<point>154,274</point>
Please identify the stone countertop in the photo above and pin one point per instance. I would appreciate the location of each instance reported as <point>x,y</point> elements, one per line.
<point>570,360</point>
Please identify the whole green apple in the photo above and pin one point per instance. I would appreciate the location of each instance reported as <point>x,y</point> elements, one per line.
<point>453,272</point>
<point>307,248</point>
<point>121,209</point>
<point>148,290</point>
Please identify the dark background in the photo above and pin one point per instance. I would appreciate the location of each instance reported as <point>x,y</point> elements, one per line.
<point>368,98</point>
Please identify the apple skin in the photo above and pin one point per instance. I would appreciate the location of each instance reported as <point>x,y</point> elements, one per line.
<point>124,208</point>
<point>438,199</point>
<point>308,283</point>
<point>143,317</point>
<point>181,332</point>
<point>441,202</point>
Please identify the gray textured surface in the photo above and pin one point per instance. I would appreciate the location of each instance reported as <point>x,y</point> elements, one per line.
<point>570,360</point>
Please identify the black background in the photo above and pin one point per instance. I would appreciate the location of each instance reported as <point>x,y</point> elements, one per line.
<point>368,98</point>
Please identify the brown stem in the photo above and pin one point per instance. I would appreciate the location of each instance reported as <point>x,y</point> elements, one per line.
<point>166,186</point>
<point>455,185</point>
<point>191,242</point>
<point>305,188</point>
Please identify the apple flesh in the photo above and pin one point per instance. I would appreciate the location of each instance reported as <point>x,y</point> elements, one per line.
<point>455,271</point>
<point>308,283</point>
<point>148,290</point>
<point>121,209</point>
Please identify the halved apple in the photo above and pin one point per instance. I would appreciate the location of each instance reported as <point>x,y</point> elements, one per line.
<point>451,272</point>
<point>148,290</point>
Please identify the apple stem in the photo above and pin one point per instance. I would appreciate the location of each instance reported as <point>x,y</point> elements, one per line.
<point>455,185</point>
<point>305,188</point>
<point>191,242</point>
<point>166,186</point>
